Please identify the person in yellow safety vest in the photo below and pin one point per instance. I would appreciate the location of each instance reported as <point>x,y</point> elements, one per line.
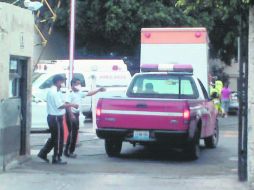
<point>215,92</point>
<point>219,86</point>
<point>212,89</point>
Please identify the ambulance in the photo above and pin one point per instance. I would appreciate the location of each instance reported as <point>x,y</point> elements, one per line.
<point>177,46</point>
<point>111,74</point>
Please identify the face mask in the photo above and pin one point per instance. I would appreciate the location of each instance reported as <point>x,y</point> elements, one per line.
<point>62,85</point>
<point>78,87</point>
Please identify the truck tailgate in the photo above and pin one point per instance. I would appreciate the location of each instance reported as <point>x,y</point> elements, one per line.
<point>142,114</point>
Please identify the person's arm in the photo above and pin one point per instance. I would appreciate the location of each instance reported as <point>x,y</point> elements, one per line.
<point>67,105</point>
<point>61,104</point>
<point>71,114</point>
<point>69,99</point>
<point>93,92</point>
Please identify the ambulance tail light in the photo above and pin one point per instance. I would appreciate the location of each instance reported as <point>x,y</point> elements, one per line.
<point>115,68</point>
<point>166,68</point>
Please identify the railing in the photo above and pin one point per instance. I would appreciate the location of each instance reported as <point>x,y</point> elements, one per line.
<point>44,26</point>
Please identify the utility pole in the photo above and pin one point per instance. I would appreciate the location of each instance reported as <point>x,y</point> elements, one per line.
<point>72,39</point>
<point>244,130</point>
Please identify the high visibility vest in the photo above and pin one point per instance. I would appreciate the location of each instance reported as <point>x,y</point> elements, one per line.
<point>219,86</point>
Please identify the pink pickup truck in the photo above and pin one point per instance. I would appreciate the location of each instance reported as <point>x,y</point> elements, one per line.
<point>163,105</point>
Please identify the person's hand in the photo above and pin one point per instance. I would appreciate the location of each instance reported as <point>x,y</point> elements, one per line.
<point>73,118</point>
<point>102,89</point>
<point>75,106</point>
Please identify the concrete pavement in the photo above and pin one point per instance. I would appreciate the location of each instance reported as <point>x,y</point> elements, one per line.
<point>94,170</point>
<point>119,181</point>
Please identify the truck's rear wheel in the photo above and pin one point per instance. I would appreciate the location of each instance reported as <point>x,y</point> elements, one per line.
<point>212,141</point>
<point>113,147</point>
<point>193,148</point>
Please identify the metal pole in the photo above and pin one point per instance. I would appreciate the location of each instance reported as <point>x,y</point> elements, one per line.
<point>246,68</point>
<point>240,118</point>
<point>2,135</point>
<point>243,106</point>
<point>238,51</point>
<point>72,38</point>
<point>94,103</point>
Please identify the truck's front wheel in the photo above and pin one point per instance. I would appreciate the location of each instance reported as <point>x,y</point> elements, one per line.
<point>113,147</point>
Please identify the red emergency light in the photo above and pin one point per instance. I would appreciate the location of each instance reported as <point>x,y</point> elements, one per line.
<point>115,68</point>
<point>166,68</point>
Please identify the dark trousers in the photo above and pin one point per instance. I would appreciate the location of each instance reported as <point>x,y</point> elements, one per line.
<point>55,124</point>
<point>73,127</point>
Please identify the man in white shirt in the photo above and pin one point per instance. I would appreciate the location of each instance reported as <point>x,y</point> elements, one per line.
<point>72,115</point>
<point>56,106</point>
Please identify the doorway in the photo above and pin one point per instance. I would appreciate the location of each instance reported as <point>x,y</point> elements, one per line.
<point>18,89</point>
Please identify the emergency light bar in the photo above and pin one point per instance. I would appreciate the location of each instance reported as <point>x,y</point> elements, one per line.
<point>166,68</point>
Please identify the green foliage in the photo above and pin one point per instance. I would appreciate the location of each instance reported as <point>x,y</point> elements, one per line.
<point>114,25</point>
<point>105,26</point>
<point>224,23</point>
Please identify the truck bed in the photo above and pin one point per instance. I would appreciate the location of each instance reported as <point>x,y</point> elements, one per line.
<point>141,114</point>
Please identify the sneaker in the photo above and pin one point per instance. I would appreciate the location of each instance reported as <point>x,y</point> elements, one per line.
<point>58,162</point>
<point>72,155</point>
<point>43,157</point>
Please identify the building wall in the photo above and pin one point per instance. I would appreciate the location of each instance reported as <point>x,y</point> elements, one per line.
<point>250,150</point>
<point>16,39</point>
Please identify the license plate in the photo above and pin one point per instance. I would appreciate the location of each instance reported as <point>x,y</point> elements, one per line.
<point>141,135</point>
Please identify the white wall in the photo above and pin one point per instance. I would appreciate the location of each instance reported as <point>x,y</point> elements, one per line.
<point>16,38</point>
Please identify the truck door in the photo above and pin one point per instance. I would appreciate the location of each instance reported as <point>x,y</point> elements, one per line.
<point>211,113</point>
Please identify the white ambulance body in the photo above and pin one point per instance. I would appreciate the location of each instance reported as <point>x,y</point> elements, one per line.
<point>111,74</point>
<point>177,46</point>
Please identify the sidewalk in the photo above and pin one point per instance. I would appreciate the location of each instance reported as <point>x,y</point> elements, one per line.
<point>48,181</point>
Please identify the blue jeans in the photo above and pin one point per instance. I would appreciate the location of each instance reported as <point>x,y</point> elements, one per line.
<point>225,105</point>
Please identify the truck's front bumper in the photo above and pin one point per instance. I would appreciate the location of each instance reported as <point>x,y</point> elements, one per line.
<point>155,136</point>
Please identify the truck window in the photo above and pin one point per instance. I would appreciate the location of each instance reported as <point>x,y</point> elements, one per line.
<point>187,88</point>
<point>163,86</point>
<point>203,90</point>
<point>49,82</point>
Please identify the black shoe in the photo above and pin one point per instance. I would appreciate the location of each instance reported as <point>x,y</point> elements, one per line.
<point>66,153</point>
<point>59,162</point>
<point>43,157</point>
<point>72,155</point>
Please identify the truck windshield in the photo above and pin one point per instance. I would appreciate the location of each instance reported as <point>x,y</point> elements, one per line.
<point>163,86</point>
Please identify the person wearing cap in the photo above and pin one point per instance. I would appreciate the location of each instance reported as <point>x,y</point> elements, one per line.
<point>72,115</point>
<point>56,106</point>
